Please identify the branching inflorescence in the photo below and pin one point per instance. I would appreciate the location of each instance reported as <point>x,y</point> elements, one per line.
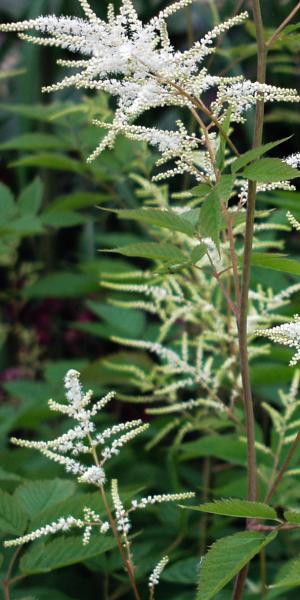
<point>138,64</point>
<point>83,439</point>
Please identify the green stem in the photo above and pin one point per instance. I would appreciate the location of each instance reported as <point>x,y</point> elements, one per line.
<point>284,467</point>
<point>243,333</point>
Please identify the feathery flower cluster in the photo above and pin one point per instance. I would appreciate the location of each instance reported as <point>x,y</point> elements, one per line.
<point>293,160</point>
<point>157,571</point>
<point>64,524</point>
<point>79,408</point>
<point>293,221</point>
<point>287,334</point>
<point>242,95</point>
<point>122,519</point>
<point>160,498</point>
<point>138,64</point>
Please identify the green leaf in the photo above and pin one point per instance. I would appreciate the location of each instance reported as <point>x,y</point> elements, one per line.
<point>288,575</point>
<point>210,221</point>
<point>34,141</point>
<point>276,262</point>
<point>292,516</point>
<point>62,552</point>
<point>59,162</point>
<point>76,201</point>
<point>200,191</point>
<point>198,252</point>
<point>12,518</point>
<point>30,200</point>
<point>61,285</point>
<point>226,447</point>
<point>255,153</point>
<point>8,207</point>
<point>226,558</point>
<point>182,572</point>
<point>231,507</point>
<point>35,496</point>
<point>60,219</point>
<point>220,158</point>
<point>268,170</point>
<point>127,321</point>
<point>152,250</point>
<point>167,219</point>
<point>26,225</point>
<point>211,218</point>
<point>39,112</point>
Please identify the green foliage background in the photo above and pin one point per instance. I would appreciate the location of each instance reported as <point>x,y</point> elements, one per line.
<point>55,315</point>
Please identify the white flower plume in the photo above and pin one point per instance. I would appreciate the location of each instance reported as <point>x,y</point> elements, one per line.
<point>287,334</point>
<point>138,64</point>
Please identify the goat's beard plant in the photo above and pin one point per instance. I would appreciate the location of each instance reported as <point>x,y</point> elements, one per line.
<point>138,65</point>
<point>84,440</point>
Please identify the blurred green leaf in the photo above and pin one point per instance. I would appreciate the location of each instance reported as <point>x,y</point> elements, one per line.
<point>62,552</point>
<point>13,520</point>
<point>35,496</point>
<point>58,162</point>
<point>167,219</point>
<point>8,208</point>
<point>30,199</point>
<point>162,251</point>
<point>61,285</point>
<point>35,141</point>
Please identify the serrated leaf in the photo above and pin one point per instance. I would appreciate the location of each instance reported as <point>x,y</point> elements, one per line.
<point>210,221</point>
<point>231,507</point>
<point>182,572</point>
<point>63,552</point>
<point>220,158</point>
<point>226,558</point>
<point>211,218</point>
<point>288,575</point>
<point>152,250</point>
<point>269,170</point>
<point>36,496</point>
<point>167,219</point>
<point>292,516</point>
<point>255,153</point>
<point>198,252</point>
<point>30,200</point>
<point>276,262</point>
<point>12,518</point>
